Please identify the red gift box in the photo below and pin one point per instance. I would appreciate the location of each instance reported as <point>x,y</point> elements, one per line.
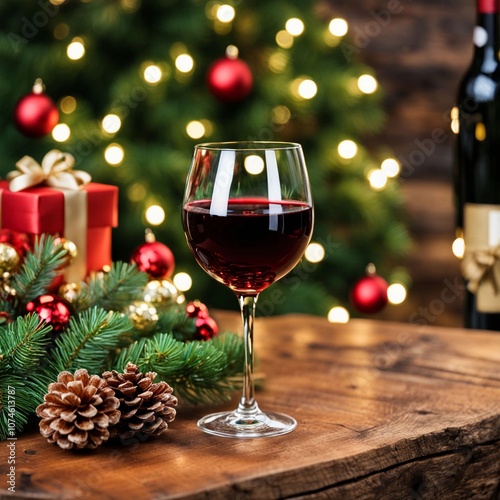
<point>43,209</point>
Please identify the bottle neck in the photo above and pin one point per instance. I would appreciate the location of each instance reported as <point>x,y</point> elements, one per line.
<point>487,40</point>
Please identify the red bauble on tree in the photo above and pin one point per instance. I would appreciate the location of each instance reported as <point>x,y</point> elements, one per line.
<point>197,309</point>
<point>369,294</point>
<point>51,309</point>
<point>36,114</point>
<point>206,328</point>
<point>154,258</point>
<point>19,241</point>
<point>229,78</point>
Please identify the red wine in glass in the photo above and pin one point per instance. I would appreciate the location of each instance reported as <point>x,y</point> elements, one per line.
<point>251,247</point>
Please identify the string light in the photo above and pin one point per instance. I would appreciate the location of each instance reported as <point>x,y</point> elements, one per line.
<point>68,104</point>
<point>338,314</point>
<point>76,49</point>
<point>111,123</point>
<point>294,26</point>
<point>284,39</point>
<point>390,167</point>
<point>195,129</point>
<point>254,164</point>
<point>225,13</point>
<point>114,154</point>
<point>455,123</point>
<point>347,149</point>
<point>338,27</point>
<point>367,84</point>
<point>281,115</point>
<point>182,282</point>
<point>377,179</point>
<point>61,132</point>
<point>314,253</point>
<point>152,74</point>
<point>155,215</point>
<point>396,293</point>
<point>184,63</point>
<point>278,62</point>
<point>304,88</point>
<point>458,247</point>
<point>136,192</point>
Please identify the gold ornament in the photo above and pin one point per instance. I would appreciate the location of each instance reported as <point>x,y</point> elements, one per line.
<point>71,250</point>
<point>70,291</point>
<point>161,293</point>
<point>143,315</point>
<point>9,259</point>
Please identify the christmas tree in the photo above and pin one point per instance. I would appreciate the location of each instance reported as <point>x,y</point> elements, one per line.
<point>136,85</point>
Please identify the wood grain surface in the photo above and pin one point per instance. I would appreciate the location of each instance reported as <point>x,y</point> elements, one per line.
<point>385,410</point>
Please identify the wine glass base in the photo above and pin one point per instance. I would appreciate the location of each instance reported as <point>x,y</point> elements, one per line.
<point>233,424</point>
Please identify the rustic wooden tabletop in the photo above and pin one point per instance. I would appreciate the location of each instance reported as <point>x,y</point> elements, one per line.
<point>384,410</point>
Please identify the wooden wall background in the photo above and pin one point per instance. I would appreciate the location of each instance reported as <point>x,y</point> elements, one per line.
<point>419,50</point>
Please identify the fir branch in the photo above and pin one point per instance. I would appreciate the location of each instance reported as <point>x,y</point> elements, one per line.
<point>199,372</point>
<point>22,343</point>
<point>39,269</point>
<point>16,404</point>
<point>114,290</point>
<point>88,341</point>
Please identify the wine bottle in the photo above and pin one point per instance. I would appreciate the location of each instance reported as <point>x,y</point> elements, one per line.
<point>477,172</point>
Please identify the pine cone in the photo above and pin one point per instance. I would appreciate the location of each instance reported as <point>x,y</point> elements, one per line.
<point>146,408</point>
<point>78,411</point>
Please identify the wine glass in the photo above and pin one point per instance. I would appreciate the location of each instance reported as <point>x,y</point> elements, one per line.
<point>248,217</point>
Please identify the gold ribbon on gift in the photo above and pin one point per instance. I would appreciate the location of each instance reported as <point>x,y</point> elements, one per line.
<point>481,263</point>
<point>55,171</point>
<point>478,266</point>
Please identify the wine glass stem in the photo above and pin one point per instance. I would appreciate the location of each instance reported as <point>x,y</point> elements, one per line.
<point>248,405</point>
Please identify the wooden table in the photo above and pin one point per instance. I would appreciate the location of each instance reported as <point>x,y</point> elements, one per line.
<point>385,410</point>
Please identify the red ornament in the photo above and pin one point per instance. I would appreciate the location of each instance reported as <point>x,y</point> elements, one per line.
<point>154,258</point>
<point>229,78</point>
<point>36,114</point>
<point>369,294</point>
<point>52,309</point>
<point>19,241</point>
<point>206,328</point>
<point>197,309</point>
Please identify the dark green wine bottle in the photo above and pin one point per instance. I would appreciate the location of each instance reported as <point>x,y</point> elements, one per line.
<point>477,171</point>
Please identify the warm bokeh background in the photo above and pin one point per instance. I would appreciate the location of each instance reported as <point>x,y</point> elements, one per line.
<point>420,55</point>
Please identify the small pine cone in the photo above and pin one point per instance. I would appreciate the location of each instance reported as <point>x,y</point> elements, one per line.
<point>146,408</point>
<point>78,411</point>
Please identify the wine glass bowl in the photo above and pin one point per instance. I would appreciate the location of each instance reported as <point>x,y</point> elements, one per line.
<point>248,218</point>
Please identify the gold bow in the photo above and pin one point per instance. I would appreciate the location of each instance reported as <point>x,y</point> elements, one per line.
<point>478,265</point>
<point>56,171</point>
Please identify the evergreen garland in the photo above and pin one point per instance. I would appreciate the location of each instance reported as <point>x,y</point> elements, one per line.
<point>100,337</point>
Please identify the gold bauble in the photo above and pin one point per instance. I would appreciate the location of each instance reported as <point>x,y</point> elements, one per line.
<point>71,250</point>
<point>70,291</point>
<point>161,293</point>
<point>143,315</point>
<point>9,259</point>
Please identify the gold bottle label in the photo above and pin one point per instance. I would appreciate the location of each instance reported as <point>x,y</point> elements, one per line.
<point>481,262</point>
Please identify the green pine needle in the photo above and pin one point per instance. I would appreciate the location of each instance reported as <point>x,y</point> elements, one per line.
<point>89,340</point>
<point>22,343</point>
<point>113,290</point>
<point>39,269</point>
<point>199,372</point>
